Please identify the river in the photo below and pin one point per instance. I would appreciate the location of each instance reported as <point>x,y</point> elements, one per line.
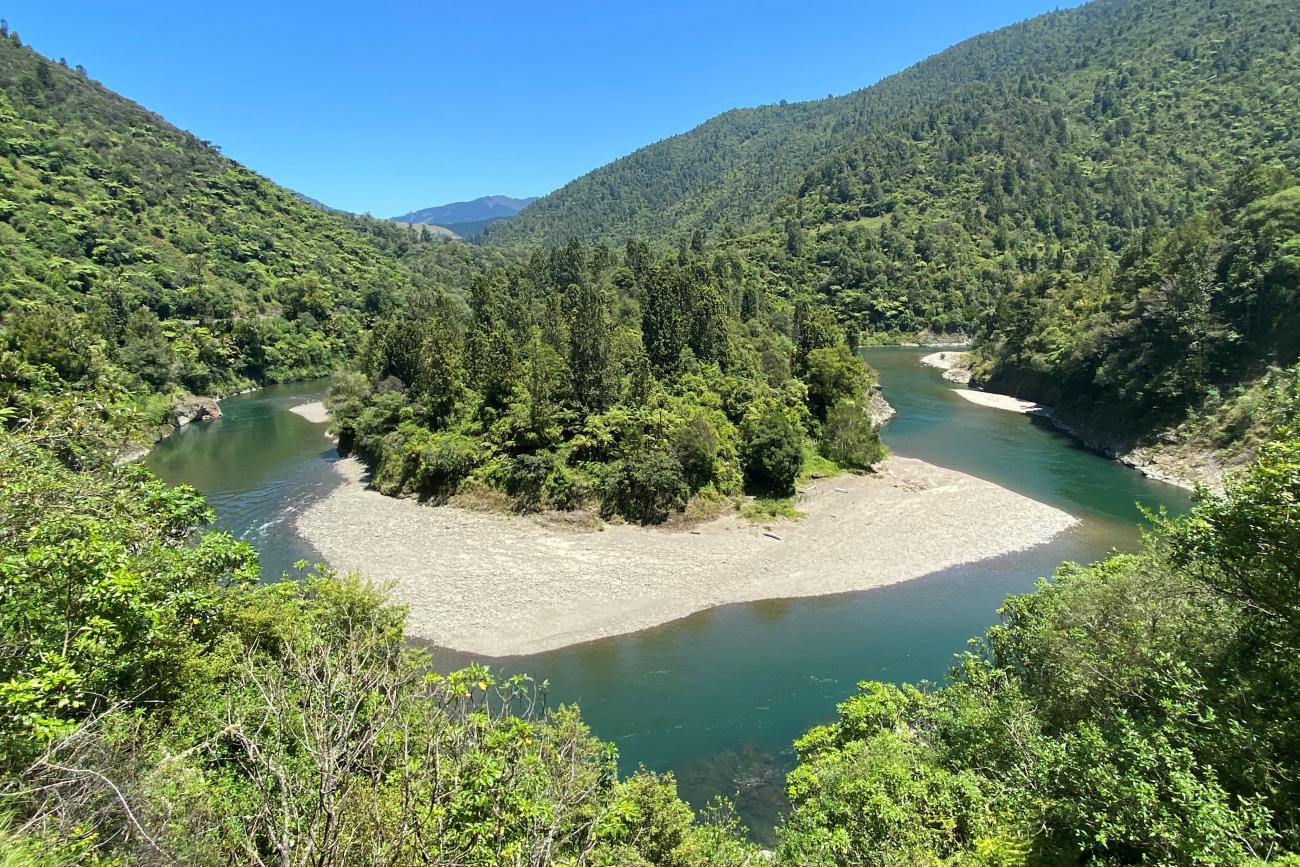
<point>718,697</point>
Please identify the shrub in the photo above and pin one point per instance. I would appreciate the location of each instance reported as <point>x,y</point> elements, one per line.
<point>646,487</point>
<point>695,444</point>
<point>346,401</point>
<point>569,489</point>
<point>882,801</point>
<point>773,450</point>
<point>526,479</point>
<point>849,438</point>
<point>444,462</point>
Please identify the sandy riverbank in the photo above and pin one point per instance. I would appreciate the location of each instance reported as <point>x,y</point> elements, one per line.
<point>314,412</point>
<point>955,365</point>
<point>956,368</point>
<point>944,360</point>
<point>1004,401</point>
<point>501,586</point>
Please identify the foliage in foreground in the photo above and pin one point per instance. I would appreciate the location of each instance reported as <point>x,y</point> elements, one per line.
<point>1143,710</point>
<point>158,705</point>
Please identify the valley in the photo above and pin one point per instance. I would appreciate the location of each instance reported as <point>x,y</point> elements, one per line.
<point>637,524</point>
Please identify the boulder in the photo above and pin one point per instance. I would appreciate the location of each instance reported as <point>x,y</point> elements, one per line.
<point>195,409</point>
<point>878,409</point>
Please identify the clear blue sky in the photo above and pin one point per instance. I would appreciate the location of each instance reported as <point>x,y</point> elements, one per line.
<point>387,107</point>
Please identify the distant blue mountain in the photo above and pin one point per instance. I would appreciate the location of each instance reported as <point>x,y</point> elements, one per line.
<point>485,210</point>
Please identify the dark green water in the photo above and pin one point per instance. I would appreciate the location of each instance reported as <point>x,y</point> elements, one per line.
<point>718,697</point>
<point>257,465</point>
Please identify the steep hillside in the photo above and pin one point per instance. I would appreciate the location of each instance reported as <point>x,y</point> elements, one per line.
<point>731,170</point>
<point>129,243</point>
<point>928,221</point>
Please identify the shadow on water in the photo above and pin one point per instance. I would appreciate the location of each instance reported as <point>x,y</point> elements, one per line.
<point>719,697</point>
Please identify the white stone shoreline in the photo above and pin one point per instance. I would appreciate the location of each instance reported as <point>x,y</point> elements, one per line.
<point>1004,401</point>
<point>500,585</point>
<point>314,412</point>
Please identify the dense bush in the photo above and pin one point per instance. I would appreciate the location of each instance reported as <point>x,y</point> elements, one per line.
<point>446,461</point>
<point>579,381</point>
<point>773,450</point>
<point>646,487</point>
<point>1189,313</point>
<point>695,444</point>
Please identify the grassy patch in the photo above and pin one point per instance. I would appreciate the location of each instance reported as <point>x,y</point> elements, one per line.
<point>816,465</point>
<point>477,496</point>
<point>770,508</point>
<point>705,506</point>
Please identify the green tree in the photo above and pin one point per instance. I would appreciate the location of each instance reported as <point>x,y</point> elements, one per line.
<point>833,374</point>
<point>773,449</point>
<point>589,346</point>
<point>695,444</point>
<point>490,347</point>
<point>47,335</point>
<point>849,438</point>
<point>646,487</point>
<point>145,350</point>
<point>665,322</point>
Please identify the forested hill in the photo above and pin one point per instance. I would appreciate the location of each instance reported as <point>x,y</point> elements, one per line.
<point>728,174</point>
<point>733,168</point>
<point>1152,112</point>
<point>127,243</point>
<point>1055,189</point>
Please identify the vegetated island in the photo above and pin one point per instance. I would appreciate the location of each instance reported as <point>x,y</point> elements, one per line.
<point>503,586</point>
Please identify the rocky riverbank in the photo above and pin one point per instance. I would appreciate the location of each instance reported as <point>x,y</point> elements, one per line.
<point>955,365</point>
<point>1171,462</point>
<point>501,585</point>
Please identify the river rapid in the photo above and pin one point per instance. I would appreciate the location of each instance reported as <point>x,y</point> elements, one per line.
<point>718,697</point>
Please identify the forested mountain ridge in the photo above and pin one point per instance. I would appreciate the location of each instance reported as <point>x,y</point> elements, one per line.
<point>1011,201</point>
<point>932,219</point>
<point>482,208</point>
<point>127,242</point>
<point>728,173</point>
<point>733,168</point>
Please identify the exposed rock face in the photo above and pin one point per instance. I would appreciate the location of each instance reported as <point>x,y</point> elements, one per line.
<point>129,454</point>
<point>879,409</point>
<point>195,409</point>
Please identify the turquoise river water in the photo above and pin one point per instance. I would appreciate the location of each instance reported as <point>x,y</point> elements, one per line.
<point>718,697</point>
